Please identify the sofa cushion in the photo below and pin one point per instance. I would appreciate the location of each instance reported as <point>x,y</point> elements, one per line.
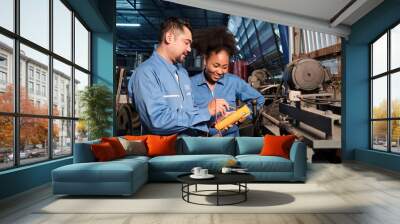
<point>257,163</point>
<point>185,163</point>
<point>161,145</point>
<point>277,145</point>
<point>111,171</point>
<point>249,145</point>
<point>136,137</point>
<point>130,158</point>
<point>116,145</point>
<point>103,152</point>
<point>93,172</point>
<point>206,145</point>
<point>133,147</point>
<point>83,152</point>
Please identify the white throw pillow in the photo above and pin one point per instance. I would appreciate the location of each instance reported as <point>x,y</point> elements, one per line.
<point>133,147</point>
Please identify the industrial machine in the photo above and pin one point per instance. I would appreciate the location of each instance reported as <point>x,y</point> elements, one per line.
<point>305,103</point>
<point>128,121</point>
<point>306,75</point>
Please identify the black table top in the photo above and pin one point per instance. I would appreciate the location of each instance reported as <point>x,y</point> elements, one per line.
<point>220,178</point>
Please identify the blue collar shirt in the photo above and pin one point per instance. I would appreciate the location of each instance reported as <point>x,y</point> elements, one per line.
<point>230,87</point>
<point>162,95</point>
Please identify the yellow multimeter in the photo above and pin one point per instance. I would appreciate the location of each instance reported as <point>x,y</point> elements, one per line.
<point>241,113</point>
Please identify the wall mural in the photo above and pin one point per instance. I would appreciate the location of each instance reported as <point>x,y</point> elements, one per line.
<point>298,73</point>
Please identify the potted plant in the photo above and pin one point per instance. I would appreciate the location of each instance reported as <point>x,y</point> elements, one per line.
<point>96,104</point>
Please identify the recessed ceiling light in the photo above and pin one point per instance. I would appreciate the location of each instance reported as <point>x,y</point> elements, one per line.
<point>128,24</point>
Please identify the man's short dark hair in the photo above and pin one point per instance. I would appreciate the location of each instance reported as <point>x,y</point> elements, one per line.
<point>172,23</point>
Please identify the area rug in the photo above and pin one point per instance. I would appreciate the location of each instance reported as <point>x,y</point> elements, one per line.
<point>166,198</point>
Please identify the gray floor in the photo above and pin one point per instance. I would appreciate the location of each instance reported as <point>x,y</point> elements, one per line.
<point>378,188</point>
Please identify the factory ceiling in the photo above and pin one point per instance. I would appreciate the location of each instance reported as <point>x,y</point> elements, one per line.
<point>145,16</point>
<point>327,16</point>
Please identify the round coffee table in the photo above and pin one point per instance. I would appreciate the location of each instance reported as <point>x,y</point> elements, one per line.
<point>238,179</point>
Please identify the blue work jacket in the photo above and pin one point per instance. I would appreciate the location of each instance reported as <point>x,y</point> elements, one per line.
<point>230,87</point>
<point>162,95</point>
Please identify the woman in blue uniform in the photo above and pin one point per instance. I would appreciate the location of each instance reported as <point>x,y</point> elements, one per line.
<point>217,45</point>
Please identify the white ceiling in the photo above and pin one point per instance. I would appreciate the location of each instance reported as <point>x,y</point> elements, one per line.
<point>308,14</point>
<point>322,9</point>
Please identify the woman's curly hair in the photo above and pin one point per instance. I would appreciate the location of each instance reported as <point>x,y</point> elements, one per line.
<point>215,39</point>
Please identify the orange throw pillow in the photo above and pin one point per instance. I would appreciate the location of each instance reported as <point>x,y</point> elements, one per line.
<point>161,145</point>
<point>136,137</point>
<point>103,152</point>
<point>277,145</point>
<point>116,145</point>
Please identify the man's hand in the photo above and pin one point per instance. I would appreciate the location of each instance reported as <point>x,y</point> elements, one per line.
<point>218,106</point>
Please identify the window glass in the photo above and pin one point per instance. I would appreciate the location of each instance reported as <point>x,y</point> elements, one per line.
<point>388,119</point>
<point>81,81</point>
<point>395,47</point>
<point>30,88</point>
<point>241,30</point>
<point>246,22</point>
<point>395,136</point>
<point>62,89</point>
<point>251,29</point>
<point>266,37</point>
<point>379,135</point>
<point>34,21</point>
<point>6,142</point>
<point>254,45</point>
<point>34,81</point>
<point>62,29</point>
<point>33,140</point>
<point>379,56</point>
<point>395,95</point>
<point>7,14</point>
<point>62,138</point>
<point>6,74</point>
<point>379,98</point>
<point>81,131</point>
<point>31,58</point>
<point>81,45</point>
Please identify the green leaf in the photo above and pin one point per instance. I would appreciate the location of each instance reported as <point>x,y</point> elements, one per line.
<point>96,102</point>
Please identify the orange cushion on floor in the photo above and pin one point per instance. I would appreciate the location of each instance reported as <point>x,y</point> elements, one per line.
<point>103,152</point>
<point>116,145</point>
<point>161,145</point>
<point>277,145</point>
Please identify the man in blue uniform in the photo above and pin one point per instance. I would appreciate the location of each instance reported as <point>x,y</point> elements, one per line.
<point>161,87</point>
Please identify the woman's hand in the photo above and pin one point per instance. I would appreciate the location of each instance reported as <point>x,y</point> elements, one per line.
<point>218,106</point>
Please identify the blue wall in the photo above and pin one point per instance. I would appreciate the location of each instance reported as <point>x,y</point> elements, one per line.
<point>100,17</point>
<point>103,65</point>
<point>356,85</point>
<point>24,178</point>
<point>103,57</point>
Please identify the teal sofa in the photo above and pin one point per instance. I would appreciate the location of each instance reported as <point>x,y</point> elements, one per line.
<point>125,176</point>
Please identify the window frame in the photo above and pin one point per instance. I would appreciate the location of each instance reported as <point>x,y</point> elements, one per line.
<point>388,74</point>
<point>16,114</point>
